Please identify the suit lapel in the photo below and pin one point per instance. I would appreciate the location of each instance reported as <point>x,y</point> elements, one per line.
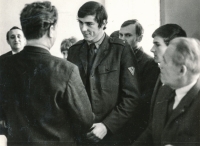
<point>185,102</point>
<point>157,87</point>
<point>83,56</point>
<point>161,106</point>
<point>103,50</point>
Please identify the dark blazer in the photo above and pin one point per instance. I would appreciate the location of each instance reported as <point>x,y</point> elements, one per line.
<point>182,127</point>
<point>43,98</point>
<point>148,72</point>
<point>113,79</point>
<point>6,55</point>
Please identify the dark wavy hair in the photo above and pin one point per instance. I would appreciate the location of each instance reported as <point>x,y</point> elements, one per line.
<point>93,8</point>
<point>36,19</point>
<point>67,43</point>
<point>169,32</point>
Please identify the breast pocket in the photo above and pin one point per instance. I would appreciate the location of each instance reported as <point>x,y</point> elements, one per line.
<point>109,76</point>
<point>106,69</point>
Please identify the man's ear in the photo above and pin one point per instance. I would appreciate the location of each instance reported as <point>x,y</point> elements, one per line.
<point>51,31</point>
<point>139,38</point>
<point>104,23</point>
<point>183,70</point>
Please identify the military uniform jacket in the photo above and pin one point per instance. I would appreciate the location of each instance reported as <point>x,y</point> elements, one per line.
<point>43,99</point>
<point>113,79</point>
<point>182,128</point>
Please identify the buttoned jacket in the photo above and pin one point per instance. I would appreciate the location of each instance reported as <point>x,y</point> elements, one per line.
<point>113,81</point>
<point>181,128</point>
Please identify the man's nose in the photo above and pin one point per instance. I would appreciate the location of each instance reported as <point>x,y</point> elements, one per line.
<point>17,39</point>
<point>84,27</point>
<point>122,37</point>
<point>153,49</point>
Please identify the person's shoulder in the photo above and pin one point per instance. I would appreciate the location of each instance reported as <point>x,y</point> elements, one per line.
<point>117,41</point>
<point>79,43</point>
<point>6,54</point>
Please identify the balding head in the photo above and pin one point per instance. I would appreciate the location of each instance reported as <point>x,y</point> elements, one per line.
<point>187,53</point>
<point>181,62</point>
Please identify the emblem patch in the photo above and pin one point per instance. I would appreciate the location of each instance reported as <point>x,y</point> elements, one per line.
<point>132,70</point>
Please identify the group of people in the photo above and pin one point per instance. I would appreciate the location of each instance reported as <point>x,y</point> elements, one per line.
<point>107,92</point>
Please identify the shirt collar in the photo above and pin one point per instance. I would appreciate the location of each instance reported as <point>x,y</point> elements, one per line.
<point>181,92</point>
<point>98,43</point>
<point>14,52</point>
<point>135,50</point>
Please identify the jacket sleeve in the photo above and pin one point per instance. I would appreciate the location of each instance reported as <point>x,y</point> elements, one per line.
<point>3,128</point>
<point>78,102</point>
<point>128,95</point>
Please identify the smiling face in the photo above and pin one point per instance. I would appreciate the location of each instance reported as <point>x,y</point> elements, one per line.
<point>158,49</point>
<point>90,29</point>
<point>16,40</point>
<point>128,33</point>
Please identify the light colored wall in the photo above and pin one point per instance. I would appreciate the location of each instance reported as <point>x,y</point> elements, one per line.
<point>146,11</point>
<point>185,13</point>
<point>67,20</point>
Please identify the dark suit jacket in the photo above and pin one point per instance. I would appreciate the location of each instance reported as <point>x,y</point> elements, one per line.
<point>114,89</point>
<point>43,98</point>
<point>148,72</point>
<point>182,127</point>
<point>6,55</point>
<point>154,95</point>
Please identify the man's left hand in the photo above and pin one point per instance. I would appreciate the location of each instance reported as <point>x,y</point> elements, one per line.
<point>98,132</point>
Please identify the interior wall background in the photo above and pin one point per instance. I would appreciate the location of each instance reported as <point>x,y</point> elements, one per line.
<point>185,13</point>
<point>146,11</point>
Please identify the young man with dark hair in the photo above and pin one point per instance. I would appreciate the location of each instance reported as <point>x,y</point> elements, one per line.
<point>108,73</point>
<point>15,38</point>
<point>132,32</point>
<point>42,96</point>
<point>161,39</point>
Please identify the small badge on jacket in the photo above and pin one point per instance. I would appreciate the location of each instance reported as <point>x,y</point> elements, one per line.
<point>132,70</point>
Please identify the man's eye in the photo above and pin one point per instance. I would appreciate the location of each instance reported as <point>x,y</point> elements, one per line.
<point>128,35</point>
<point>89,24</point>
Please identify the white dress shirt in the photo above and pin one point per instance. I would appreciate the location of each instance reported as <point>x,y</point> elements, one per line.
<point>181,92</point>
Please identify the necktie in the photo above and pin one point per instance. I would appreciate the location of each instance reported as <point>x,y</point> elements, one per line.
<point>92,54</point>
<point>170,104</point>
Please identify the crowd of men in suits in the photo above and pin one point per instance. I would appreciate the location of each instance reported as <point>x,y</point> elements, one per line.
<point>107,92</point>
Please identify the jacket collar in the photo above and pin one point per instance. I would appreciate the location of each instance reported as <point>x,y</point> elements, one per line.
<point>100,55</point>
<point>35,50</point>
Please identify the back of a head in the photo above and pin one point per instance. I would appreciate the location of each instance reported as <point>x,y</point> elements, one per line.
<point>67,43</point>
<point>36,18</point>
<point>93,8</point>
<point>187,53</point>
<point>169,32</point>
<point>139,29</point>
